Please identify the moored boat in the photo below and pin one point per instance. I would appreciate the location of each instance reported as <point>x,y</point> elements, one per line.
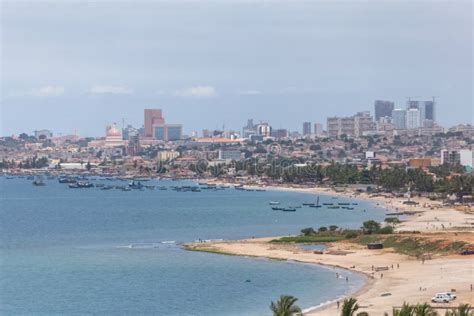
<point>39,183</point>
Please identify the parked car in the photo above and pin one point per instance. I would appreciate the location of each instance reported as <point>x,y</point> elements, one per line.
<point>450,294</point>
<point>441,298</point>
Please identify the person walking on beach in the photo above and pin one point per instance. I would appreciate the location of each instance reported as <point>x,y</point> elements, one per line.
<point>337,303</point>
<point>381,275</point>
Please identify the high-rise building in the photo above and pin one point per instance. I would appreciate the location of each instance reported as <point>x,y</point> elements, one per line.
<point>249,129</point>
<point>306,128</point>
<point>461,157</point>
<point>413,118</point>
<point>264,129</point>
<point>355,125</point>
<point>280,133</point>
<point>174,132</point>
<point>167,132</point>
<point>152,117</point>
<point>383,109</point>
<point>426,108</point>
<point>133,147</point>
<point>159,132</point>
<point>318,129</point>
<point>363,122</point>
<point>399,119</point>
<point>129,131</point>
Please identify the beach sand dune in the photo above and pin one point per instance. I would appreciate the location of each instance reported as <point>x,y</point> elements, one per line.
<point>410,280</point>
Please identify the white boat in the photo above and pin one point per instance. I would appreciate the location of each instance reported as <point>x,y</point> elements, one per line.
<point>274,203</point>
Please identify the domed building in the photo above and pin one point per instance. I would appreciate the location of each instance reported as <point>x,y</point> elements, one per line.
<point>113,138</point>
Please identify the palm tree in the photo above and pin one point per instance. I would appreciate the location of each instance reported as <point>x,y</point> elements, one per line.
<point>406,310</point>
<point>285,306</point>
<point>424,310</point>
<point>349,307</point>
<point>462,310</point>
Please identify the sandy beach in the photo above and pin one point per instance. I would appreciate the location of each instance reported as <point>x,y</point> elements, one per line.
<point>392,278</point>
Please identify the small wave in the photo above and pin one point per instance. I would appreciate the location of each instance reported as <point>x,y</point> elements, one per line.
<point>140,246</point>
<point>324,304</point>
<point>149,245</point>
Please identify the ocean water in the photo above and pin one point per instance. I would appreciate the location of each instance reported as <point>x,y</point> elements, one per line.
<point>86,251</point>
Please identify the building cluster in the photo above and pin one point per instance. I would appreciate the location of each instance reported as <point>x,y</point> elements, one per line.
<point>404,137</point>
<point>417,118</point>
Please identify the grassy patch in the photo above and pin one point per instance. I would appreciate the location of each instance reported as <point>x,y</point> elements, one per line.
<point>417,246</point>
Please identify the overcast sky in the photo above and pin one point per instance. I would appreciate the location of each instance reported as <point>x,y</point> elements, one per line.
<point>70,66</point>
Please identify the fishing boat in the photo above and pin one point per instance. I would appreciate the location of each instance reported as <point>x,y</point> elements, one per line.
<point>39,183</point>
<point>344,203</point>
<point>308,204</point>
<point>275,203</point>
<point>66,180</point>
<point>328,203</point>
<point>277,208</point>
<point>80,185</point>
<point>334,207</point>
<point>289,209</point>
<point>135,185</point>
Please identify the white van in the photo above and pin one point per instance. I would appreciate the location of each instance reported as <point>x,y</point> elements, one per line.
<point>450,294</point>
<point>441,298</point>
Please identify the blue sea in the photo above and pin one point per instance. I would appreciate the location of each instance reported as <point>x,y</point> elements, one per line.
<point>87,251</point>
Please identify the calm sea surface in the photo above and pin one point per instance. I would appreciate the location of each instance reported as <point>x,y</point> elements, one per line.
<point>86,251</point>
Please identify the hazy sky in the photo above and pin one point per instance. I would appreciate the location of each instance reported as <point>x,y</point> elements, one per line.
<point>78,66</point>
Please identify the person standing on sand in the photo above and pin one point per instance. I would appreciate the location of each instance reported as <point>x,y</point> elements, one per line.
<point>337,303</point>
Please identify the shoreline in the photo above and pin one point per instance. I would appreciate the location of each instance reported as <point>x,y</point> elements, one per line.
<point>380,293</point>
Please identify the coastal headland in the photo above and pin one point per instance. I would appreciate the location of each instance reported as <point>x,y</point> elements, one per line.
<point>395,274</point>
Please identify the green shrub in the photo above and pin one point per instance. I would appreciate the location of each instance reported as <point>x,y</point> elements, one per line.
<point>351,234</point>
<point>385,230</point>
<point>308,231</point>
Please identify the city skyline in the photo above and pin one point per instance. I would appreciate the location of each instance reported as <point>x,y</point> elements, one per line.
<point>319,59</point>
